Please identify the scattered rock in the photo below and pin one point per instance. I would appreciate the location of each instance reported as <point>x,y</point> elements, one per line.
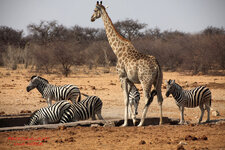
<point>112,83</point>
<point>61,127</point>
<point>2,113</point>
<point>93,87</point>
<point>189,138</point>
<point>182,143</point>
<point>109,124</point>
<point>59,141</point>
<point>72,133</point>
<point>180,147</point>
<point>215,113</point>
<point>25,112</point>
<point>42,101</point>
<point>142,142</point>
<point>204,137</point>
<point>70,139</point>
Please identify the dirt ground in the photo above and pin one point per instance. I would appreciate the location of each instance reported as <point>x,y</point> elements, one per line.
<point>105,83</point>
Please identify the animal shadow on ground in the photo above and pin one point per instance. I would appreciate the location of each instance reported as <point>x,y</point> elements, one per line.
<point>166,121</point>
<point>150,121</point>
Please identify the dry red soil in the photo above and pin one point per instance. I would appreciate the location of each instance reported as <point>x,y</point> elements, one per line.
<point>14,100</point>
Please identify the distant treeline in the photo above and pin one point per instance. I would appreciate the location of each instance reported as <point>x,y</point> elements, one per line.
<point>50,44</point>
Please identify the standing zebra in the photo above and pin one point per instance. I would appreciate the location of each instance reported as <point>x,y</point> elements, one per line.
<point>50,114</point>
<point>83,110</point>
<point>200,96</point>
<point>53,92</point>
<point>134,97</point>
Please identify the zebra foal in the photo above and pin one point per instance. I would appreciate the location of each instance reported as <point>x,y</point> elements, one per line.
<point>50,114</point>
<point>134,98</point>
<point>89,107</point>
<point>52,92</point>
<point>199,96</point>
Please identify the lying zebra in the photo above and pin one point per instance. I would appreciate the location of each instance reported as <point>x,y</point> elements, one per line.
<point>52,92</point>
<point>134,97</point>
<point>89,107</point>
<point>200,96</point>
<point>50,114</point>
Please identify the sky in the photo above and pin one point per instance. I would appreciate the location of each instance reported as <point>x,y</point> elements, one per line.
<point>190,16</point>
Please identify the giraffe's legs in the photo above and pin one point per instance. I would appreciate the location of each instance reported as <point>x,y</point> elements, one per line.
<point>160,101</point>
<point>146,90</point>
<point>126,88</point>
<point>157,85</point>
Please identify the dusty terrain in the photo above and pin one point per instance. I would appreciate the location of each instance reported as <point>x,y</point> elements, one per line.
<point>15,100</point>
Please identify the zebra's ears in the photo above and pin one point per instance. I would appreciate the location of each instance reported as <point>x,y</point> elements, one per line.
<point>166,82</point>
<point>172,82</point>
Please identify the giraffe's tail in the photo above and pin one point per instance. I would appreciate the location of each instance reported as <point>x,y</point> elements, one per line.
<point>158,83</point>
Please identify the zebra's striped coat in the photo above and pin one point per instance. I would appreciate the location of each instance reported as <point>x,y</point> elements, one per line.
<point>83,110</point>
<point>199,96</point>
<point>50,114</point>
<point>53,92</point>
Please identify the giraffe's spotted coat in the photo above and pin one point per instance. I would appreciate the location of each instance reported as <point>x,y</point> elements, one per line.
<point>132,66</point>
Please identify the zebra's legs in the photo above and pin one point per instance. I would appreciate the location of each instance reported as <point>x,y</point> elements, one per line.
<point>181,115</point>
<point>208,110</point>
<point>73,101</point>
<point>45,120</point>
<point>99,114</point>
<point>132,113</point>
<point>93,116</point>
<point>49,101</point>
<point>129,110</point>
<point>202,113</point>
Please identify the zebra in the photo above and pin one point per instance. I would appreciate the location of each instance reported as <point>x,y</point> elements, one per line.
<point>89,107</point>
<point>50,114</point>
<point>199,96</point>
<point>134,98</point>
<point>52,92</point>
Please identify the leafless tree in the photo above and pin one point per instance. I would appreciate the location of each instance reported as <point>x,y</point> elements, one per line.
<point>129,28</point>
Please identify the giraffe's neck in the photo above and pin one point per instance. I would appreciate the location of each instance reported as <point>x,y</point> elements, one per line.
<point>116,41</point>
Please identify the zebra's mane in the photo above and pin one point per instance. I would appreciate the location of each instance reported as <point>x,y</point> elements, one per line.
<point>178,86</point>
<point>175,84</point>
<point>43,79</point>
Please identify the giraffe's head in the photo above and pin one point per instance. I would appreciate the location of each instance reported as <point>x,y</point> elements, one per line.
<point>97,11</point>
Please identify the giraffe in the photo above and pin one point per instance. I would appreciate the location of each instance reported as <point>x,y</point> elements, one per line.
<point>132,66</point>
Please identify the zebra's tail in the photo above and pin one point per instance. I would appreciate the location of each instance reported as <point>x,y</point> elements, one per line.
<point>85,95</point>
<point>159,77</point>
